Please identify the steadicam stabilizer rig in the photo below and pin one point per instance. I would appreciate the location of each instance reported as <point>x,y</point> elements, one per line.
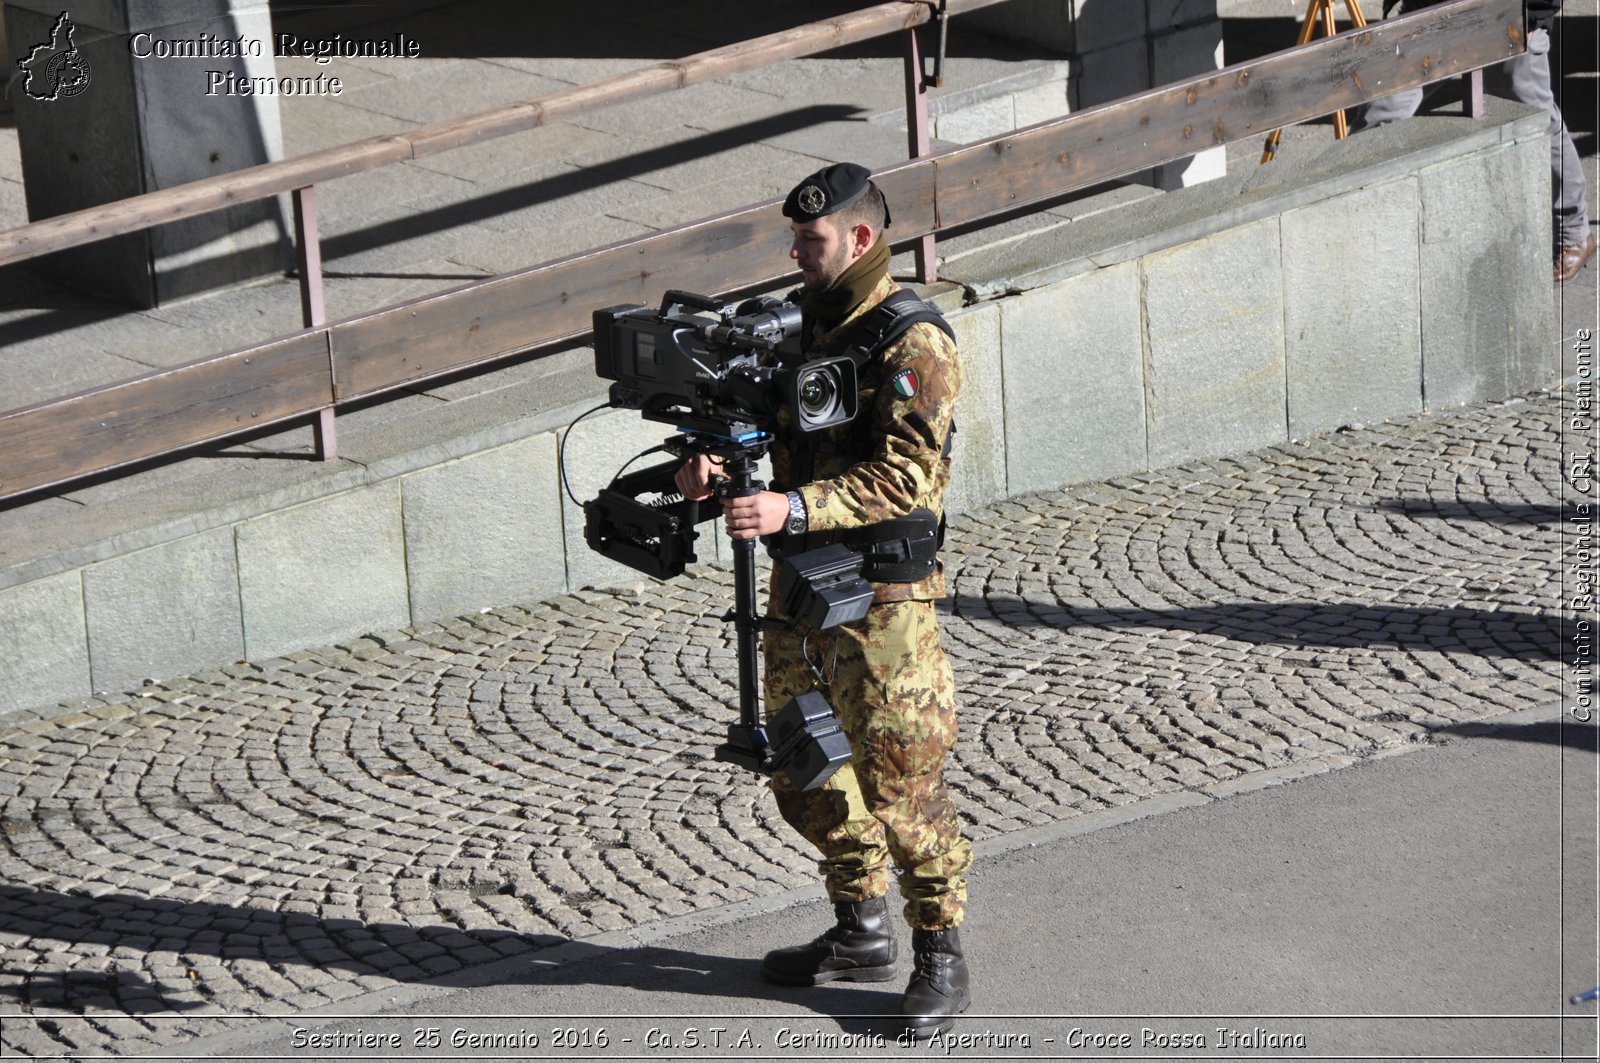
<point>722,373</point>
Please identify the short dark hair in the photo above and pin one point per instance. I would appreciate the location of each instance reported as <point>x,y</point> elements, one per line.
<point>871,209</point>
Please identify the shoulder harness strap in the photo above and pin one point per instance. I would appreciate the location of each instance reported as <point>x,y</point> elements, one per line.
<point>890,320</point>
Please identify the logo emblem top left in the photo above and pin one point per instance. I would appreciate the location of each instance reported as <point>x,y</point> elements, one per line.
<point>55,69</point>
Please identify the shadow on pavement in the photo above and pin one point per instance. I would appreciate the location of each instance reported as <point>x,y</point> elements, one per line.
<point>1489,512</point>
<point>58,308</point>
<point>496,204</point>
<point>193,933</point>
<point>653,969</point>
<point>1568,735</point>
<point>1456,629</point>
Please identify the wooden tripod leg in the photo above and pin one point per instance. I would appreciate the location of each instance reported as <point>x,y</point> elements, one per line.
<point>1313,13</point>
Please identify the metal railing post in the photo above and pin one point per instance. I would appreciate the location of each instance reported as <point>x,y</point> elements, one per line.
<point>308,258</point>
<point>1474,104</point>
<point>917,142</point>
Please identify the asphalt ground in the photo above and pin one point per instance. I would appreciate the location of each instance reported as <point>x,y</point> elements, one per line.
<point>417,808</point>
<point>1409,907</point>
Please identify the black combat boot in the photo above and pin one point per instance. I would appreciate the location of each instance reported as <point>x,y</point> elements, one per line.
<point>938,990</point>
<point>858,949</point>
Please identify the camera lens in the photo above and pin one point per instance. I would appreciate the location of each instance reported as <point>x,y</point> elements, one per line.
<point>822,393</point>
<point>817,391</point>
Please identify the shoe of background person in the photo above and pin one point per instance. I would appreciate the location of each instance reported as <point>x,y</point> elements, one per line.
<point>859,948</point>
<point>938,991</point>
<point>1571,257</point>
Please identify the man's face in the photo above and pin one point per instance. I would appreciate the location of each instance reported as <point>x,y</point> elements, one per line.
<point>821,250</point>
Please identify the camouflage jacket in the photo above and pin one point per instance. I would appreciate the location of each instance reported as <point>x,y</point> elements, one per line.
<point>891,457</point>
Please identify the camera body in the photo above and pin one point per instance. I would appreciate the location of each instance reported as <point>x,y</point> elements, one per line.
<point>719,369</point>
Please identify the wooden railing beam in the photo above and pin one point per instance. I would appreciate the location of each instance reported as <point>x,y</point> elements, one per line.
<point>1236,103</point>
<point>196,198</point>
<point>164,411</point>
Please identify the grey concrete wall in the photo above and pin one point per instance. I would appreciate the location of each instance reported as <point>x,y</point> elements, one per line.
<point>1074,381</point>
<point>1398,272</point>
<point>172,609</point>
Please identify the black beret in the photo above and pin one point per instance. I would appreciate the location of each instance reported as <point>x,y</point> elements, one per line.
<point>827,191</point>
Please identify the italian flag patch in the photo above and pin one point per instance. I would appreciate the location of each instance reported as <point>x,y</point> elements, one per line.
<point>905,383</point>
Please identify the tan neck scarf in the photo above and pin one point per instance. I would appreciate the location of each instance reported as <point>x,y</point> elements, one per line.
<point>834,303</point>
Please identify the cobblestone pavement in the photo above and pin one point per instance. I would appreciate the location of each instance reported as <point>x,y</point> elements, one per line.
<point>271,838</point>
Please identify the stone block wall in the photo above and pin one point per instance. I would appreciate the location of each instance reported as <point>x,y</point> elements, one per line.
<point>1263,308</point>
<point>1400,271</point>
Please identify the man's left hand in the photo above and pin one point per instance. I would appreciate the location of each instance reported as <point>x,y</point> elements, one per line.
<point>762,513</point>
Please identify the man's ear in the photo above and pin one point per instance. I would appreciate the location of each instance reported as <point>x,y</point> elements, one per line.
<point>862,237</point>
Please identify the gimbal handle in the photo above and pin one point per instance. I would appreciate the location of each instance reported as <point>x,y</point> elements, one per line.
<point>747,743</point>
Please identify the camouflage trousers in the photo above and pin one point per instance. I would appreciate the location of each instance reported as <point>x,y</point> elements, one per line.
<point>891,687</point>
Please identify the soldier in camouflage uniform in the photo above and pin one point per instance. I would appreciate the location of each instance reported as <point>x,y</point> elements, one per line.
<point>886,676</point>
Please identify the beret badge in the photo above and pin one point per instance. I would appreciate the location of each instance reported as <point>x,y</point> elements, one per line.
<point>812,200</point>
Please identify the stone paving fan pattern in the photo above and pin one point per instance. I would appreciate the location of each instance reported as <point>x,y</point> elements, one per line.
<point>275,837</point>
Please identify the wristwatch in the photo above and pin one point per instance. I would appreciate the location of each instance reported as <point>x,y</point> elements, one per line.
<point>796,524</point>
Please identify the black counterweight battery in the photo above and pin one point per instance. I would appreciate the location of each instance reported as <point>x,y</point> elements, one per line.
<point>823,588</point>
<point>808,745</point>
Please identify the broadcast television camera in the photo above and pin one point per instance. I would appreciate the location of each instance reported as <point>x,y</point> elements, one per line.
<point>723,375</point>
<point>726,371</point>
